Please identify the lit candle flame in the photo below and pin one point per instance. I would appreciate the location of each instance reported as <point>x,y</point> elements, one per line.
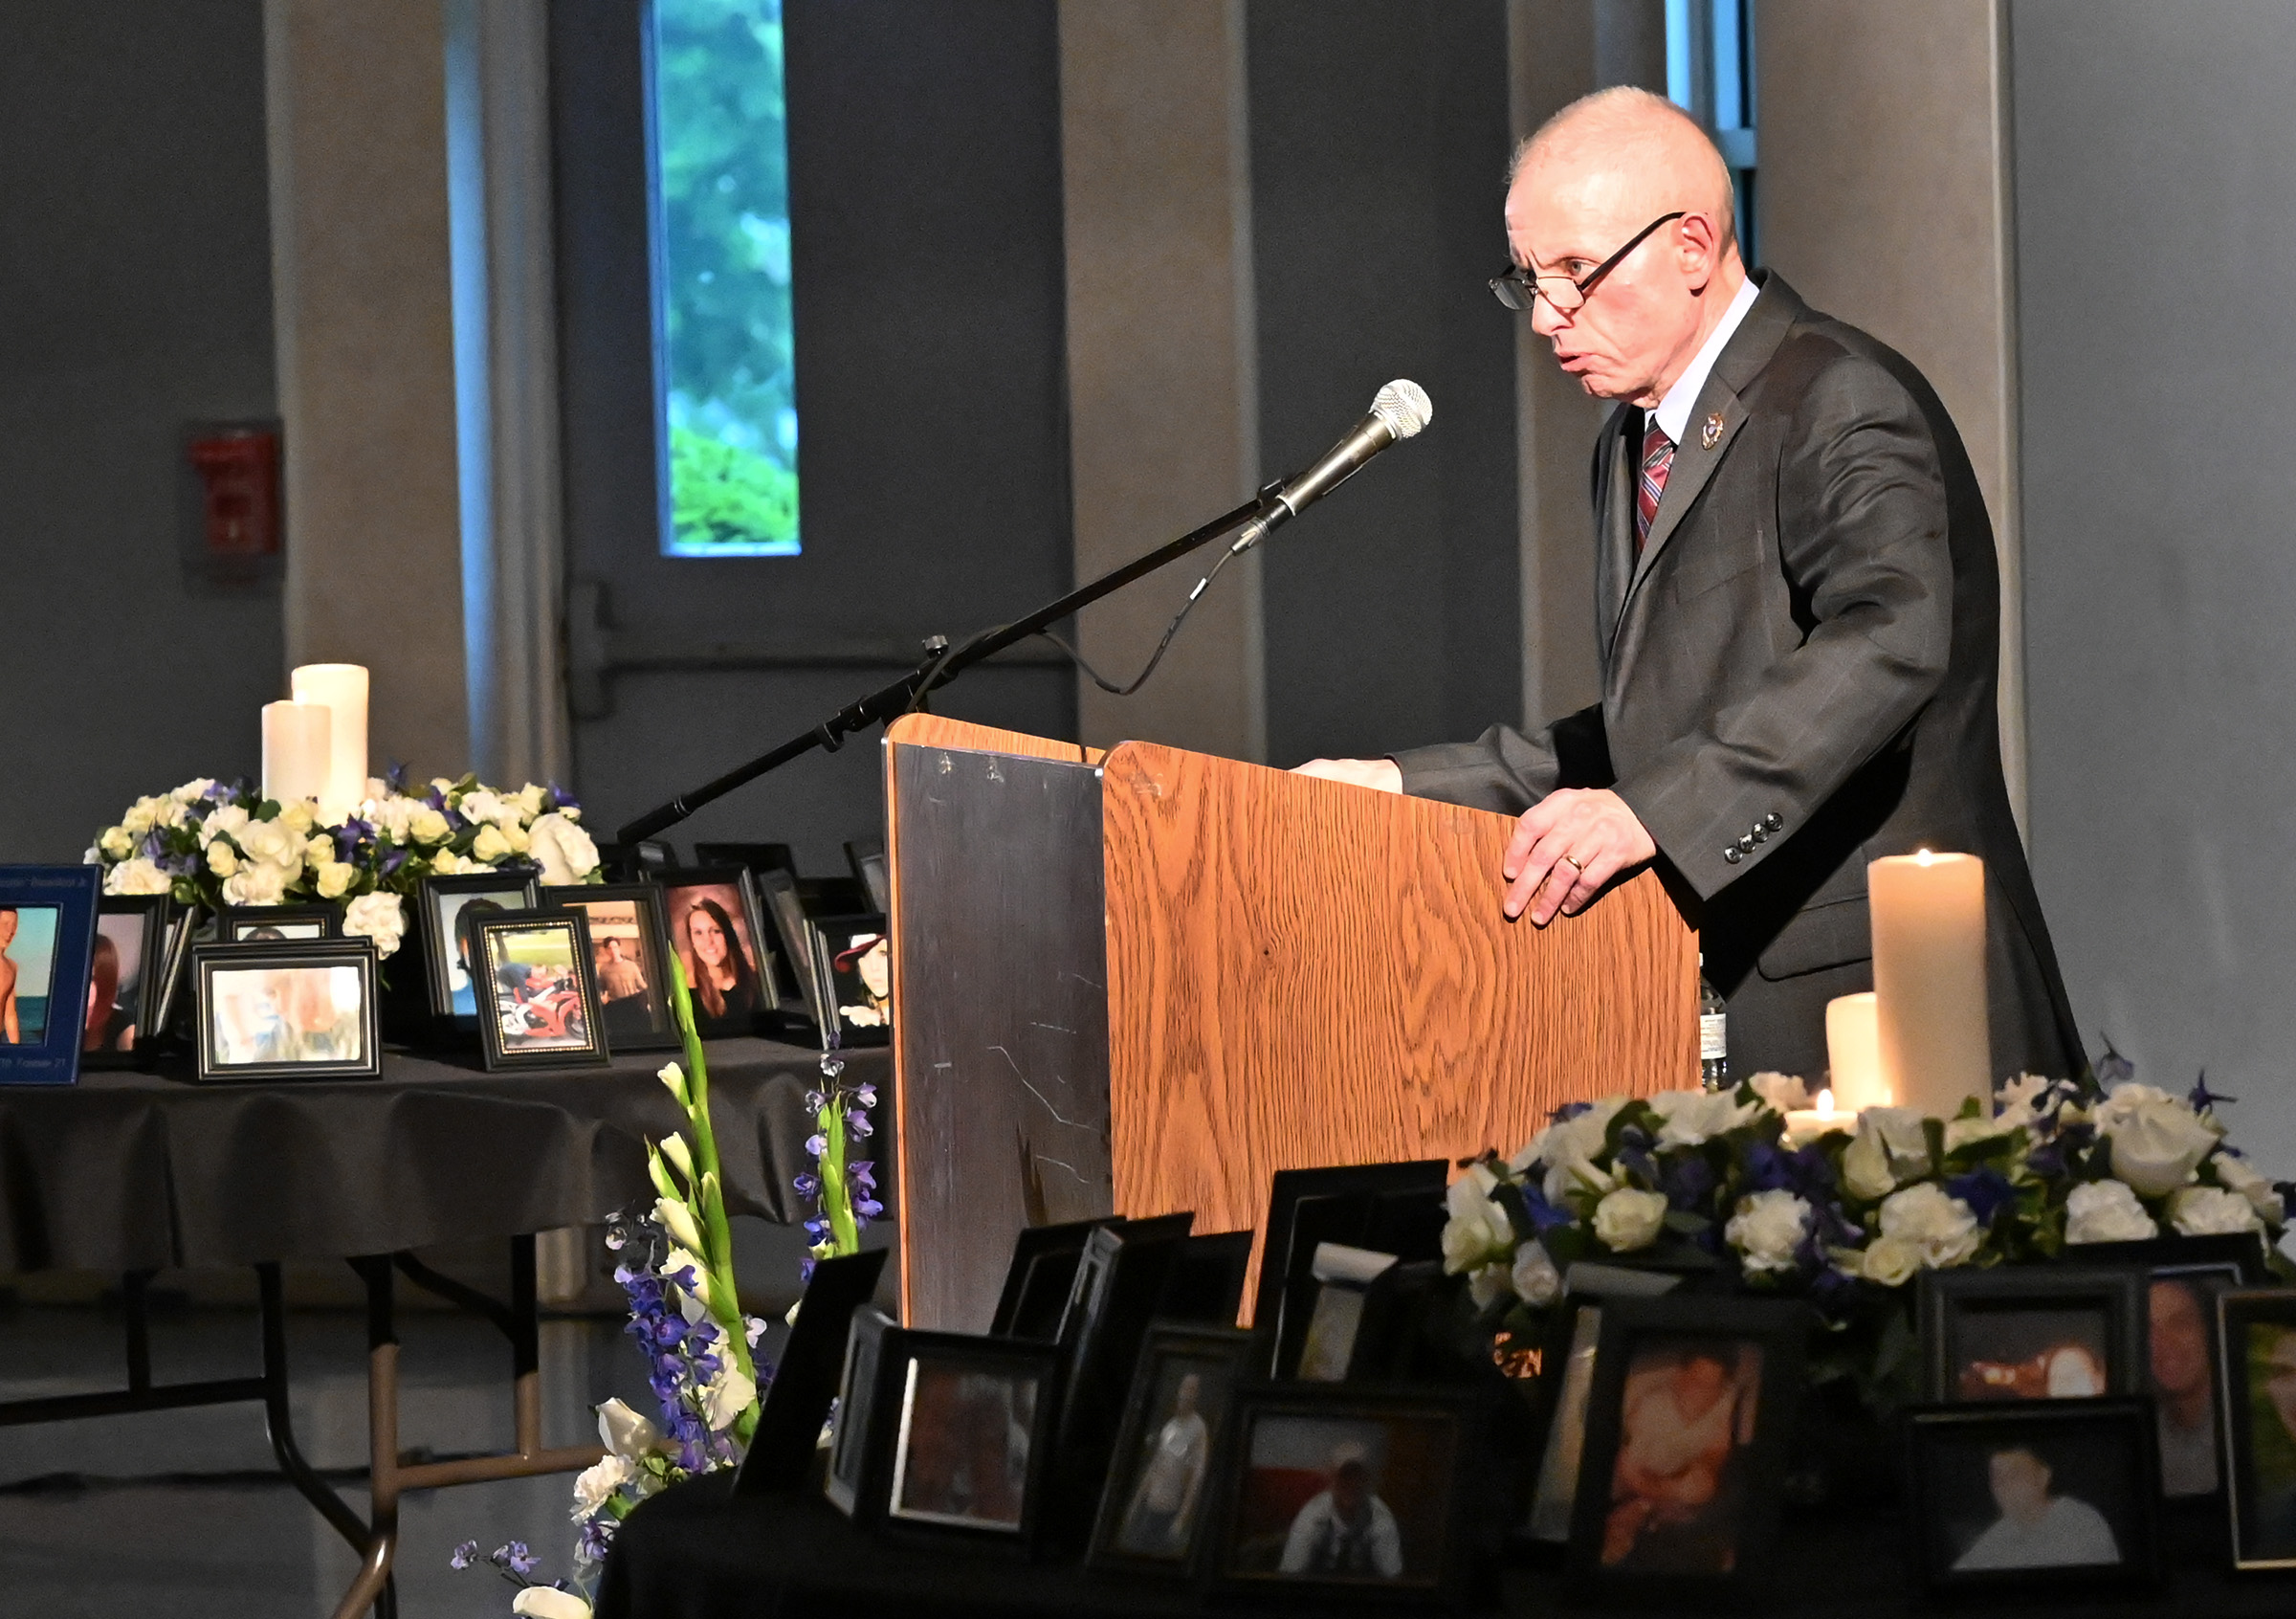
<point>1925,857</point>
<point>1825,1100</point>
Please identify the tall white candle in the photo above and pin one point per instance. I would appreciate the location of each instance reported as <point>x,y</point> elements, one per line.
<point>341,688</point>
<point>1853,1052</point>
<point>296,744</point>
<point>1929,980</point>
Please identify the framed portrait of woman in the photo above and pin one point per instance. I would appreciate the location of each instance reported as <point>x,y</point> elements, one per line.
<point>717,936</point>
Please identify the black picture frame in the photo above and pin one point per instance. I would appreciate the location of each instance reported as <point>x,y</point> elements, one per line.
<point>1343,1277</point>
<point>870,867</point>
<point>439,908</point>
<point>1038,1278</point>
<point>785,911</point>
<point>1366,1197</point>
<point>552,1025</point>
<point>2091,1452</point>
<point>47,916</point>
<point>857,998</point>
<point>2255,1336</point>
<point>353,1047</point>
<point>855,1460</point>
<point>1412,1452</point>
<point>1207,1284</point>
<point>1008,1393</point>
<point>805,1378</point>
<point>1718,1350</point>
<point>759,858</point>
<point>137,931</point>
<point>176,963</point>
<point>641,1020</point>
<point>246,925</point>
<point>1133,1532</point>
<point>730,895</point>
<point>1560,1396</point>
<point>1959,1312</point>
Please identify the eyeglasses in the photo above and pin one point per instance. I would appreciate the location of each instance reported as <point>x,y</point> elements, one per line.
<point>1518,288</point>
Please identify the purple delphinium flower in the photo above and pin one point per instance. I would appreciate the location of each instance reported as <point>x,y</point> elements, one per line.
<point>807,1185</point>
<point>1688,1181</point>
<point>2112,1069</point>
<point>514,1557</point>
<point>597,1537</point>
<point>856,1122</point>
<point>396,779</point>
<point>464,1556</point>
<point>1569,1111</point>
<point>868,1095</point>
<point>1985,1190</point>
<point>2204,1099</point>
<point>1544,1216</point>
<point>816,1146</point>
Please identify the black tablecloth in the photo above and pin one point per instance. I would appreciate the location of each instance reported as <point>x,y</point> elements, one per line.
<point>693,1552</point>
<point>132,1170</point>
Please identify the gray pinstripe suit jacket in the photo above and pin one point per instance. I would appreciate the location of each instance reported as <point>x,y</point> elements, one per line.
<point>1797,676</point>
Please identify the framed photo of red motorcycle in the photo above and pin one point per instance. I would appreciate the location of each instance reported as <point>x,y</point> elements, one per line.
<point>536,966</point>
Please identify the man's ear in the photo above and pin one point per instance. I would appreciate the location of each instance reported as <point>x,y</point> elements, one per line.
<point>1700,247</point>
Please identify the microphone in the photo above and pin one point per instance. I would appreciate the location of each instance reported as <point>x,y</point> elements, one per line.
<point>1401,410</point>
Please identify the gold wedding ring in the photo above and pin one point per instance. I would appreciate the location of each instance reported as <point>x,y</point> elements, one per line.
<point>1574,865</point>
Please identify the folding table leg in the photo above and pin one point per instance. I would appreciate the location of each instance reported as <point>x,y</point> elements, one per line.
<point>280,1421</point>
<point>374,1586</point>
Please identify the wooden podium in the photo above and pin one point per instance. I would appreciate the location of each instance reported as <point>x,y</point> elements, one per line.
<point>1146,980</point>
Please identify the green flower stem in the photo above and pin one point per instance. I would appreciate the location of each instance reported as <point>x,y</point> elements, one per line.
<point>836,1198</point>
<point>719,1293</point>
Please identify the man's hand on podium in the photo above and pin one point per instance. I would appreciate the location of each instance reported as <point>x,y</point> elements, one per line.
<point>1384,774</point>
<point>1566,847</point>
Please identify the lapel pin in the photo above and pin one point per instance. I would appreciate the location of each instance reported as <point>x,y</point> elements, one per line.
<point>1712,434</point>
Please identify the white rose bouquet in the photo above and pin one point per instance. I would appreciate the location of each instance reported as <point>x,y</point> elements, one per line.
<point>212,844</point>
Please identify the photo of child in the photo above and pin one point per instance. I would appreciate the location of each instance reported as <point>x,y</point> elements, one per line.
<point>26,967</point>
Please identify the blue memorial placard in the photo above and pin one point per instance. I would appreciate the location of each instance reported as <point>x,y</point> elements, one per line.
<point>47,935</point>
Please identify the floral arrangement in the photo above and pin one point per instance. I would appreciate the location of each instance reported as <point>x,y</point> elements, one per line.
<point>677,1267</point>
<point>213,844</point>
<point>1715,1180</point>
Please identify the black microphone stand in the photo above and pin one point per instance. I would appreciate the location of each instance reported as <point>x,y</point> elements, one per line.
<point>941,665</point>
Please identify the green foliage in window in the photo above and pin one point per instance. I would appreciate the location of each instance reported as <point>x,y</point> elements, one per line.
<point>726,500</point>
<point>724,157</point>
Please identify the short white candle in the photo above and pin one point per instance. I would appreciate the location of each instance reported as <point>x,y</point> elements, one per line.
<point>1805,1124</point>
<point>297,738</point>
<point>341,688</point>
<point>1928,979</point>
<point>1853,1052</point>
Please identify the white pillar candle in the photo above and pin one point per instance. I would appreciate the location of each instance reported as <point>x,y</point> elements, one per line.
<point>1853,1052</point>
<point>1805,1124</point>
<point>296,744</point>
<point>341,688</point>
<point>1929,980</point>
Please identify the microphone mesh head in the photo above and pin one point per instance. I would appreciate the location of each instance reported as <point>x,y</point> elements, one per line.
<point>1404,407</point>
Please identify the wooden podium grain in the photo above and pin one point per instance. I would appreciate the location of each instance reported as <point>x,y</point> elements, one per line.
<point>1296,973</point>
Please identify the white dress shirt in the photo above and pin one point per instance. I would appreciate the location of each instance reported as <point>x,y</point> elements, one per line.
<point>1673,412</point>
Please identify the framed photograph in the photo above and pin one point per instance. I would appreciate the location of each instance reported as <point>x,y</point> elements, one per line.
<point>1691,1409</point>
<point>2032,1332</point>
<point>447,955</point>
<point>1343,1278</point>
<point>1359,1204</point>
<point>542,1008</point>
<point>866,857</point>
<point>1342,1494</point>
<point>1120,1283</point>
<point>630,961</point>
<point>1566,1389</point>
<point>852,1454</point>
<point>126,967</point>
<point>2050,1495</point>
<point>1038,1276</point>
<point>174,963</point>
<point>972,1433</point>
<point>299,1010</point>
<point>804,1379</point>
<point>855,955</point>
<point>2256,1330</point>
<point>1206,1284</point>
<point>274,924</point>
<point>715,930</point>
<point>783,909</point>
<point>1154,1506</point>
<point>47,939</point>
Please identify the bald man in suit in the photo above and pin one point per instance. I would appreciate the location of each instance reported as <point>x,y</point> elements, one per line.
<point>1798,610</point>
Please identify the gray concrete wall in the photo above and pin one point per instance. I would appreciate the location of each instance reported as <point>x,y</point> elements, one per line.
<point>135,274</point>
<point>2157,245</point>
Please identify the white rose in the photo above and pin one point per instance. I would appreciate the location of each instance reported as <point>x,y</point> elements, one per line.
<point>1965,1132</point>
<point>428,826</point>
<point>2020,1098</point>
<point>2211,1210</point>
<point>626,1434</point>
<point>222,859</point>
<point>1942,1227</point>
<point>2239,1175</point>
<point>729,1396</point>
<point>1865,1164</point>
<point>548,1602</point>
<point>298,817</point>
<point>447,863</point>
<point>138,875</point>
<point>393,814</point>
<point>169,813</point>
<point>271,843</point>
<point>1890,1261</point>
<point>1575,1177</point>
<point>1767,1229</point>
<point>1535,1281</point>
<point>255,885</point>
<point>597,1483</point>
<point>1581,1136</point>
<point>566,851</point>
<point>1478,1230</point>
<point>1783,1092</point>
<point>490,845</point>
<point>531,799</point>
<point>2107,1211</point>
<point>1485,1284</point>
<point>1689,1118</point>
<point>199,786</point>
<point>116,843</point>
<point>1626,1219</point>
<point>1903,1135</point>
<point>2157,1140</point>
<point>482,806</point>
<point>335,878</point>
<point>379,916</point>
<point>139,816</point>
<point>515,837</point>
<point>227,820</point>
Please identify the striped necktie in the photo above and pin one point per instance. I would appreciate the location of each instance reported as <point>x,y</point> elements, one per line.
<point>1658,456</point>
